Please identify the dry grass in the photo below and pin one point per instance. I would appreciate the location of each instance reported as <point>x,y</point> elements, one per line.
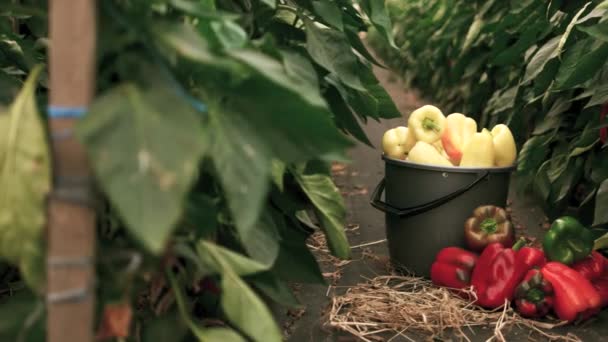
<point>400,305</point>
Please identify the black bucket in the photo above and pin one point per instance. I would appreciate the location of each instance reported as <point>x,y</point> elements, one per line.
<point>426,207</point>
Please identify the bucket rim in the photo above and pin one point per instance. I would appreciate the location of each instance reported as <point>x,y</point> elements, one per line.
<point>454,169</point>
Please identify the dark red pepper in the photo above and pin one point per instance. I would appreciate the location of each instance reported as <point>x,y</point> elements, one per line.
<point>453,267</point>
<point>534,295</point>
<point>499,270</point>
<point>592,267</point>
<point>575,296</point>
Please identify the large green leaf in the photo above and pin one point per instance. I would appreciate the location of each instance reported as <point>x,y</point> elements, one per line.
<point>220,259</point>
<point>274,288</point>
<point>345,117</point>
<point>262,243</point>
<point>378,15</point>
<point>330,13</point>
<point>240,304</point>
<point>246,135</point>
<point>601,204</point>
<point>598,31</point>
<point>581,62</point>
<point>329,207</point>
<point>145,145</point>
<point>246,311</point>
<point>331,49</point>
<point>25,180</point>
<point>541,57</point>
<point>202,334</point>
<point>295,262</point>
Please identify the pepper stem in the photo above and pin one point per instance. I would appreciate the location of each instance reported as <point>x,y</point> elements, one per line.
<point>429,124</point>
<point>535,295</point>
<point>519,244</point>
<point>489,226</point>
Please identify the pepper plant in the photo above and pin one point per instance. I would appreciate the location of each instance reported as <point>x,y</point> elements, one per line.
<point>211,138</point>
<point>540,67</point>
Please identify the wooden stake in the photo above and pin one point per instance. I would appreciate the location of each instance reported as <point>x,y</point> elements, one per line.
<point>71,223</point>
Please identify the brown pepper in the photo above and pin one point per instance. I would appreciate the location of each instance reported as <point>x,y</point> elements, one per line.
<point>488,224</point>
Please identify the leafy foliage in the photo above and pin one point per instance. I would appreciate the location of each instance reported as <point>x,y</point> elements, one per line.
<point>540,67</point>
<point>211,138</point>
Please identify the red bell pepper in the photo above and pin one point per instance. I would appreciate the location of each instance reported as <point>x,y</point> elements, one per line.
<point>534,295</point>
<point>453,267</point>
<point>601,286</point>
<point>575,297</point>
<point>592,267</point>
<point>499,270</point>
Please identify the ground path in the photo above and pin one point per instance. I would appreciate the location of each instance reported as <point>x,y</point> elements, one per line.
<point>366,225</point>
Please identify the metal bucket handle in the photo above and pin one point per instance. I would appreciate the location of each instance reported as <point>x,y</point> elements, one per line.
<point>419,209</point>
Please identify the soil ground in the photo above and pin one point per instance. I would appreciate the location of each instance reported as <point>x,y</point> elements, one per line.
<point>357,180</point>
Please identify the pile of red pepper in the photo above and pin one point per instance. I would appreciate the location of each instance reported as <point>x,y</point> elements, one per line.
<point>564,276</point>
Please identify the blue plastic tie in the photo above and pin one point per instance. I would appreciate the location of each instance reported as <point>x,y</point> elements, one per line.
<point>66,112</point>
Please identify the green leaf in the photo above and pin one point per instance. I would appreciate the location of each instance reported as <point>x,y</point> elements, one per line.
<point>246,311</point>
<point>221,260</point>
<point>580,63</point>
<point>202,334</point>
<point>329,207</point>
<point>240,304</point>
<point>473,33</point>
<point>166,328</point>
<point>330,13</point>
<point>331,49</point>
<point>25,180</point>
<point>221,334</point>
<point>278,173</point>
<point>145,146</point>
<point>358,45</point>
<point>598,31</point>
<point>600,95</point>
<point>601,242</point>
<point>262,243</point>
<point>295,262</point>
<point>533,153</point>
<point>573,22</point>
<point>601,204</point>
<point>547,52</point>
<point>22,317</point>
<point>275,288</point>
<point>229,34</point>
<point>344,116</point>
<point>378,15</point>
<point>271,3</point>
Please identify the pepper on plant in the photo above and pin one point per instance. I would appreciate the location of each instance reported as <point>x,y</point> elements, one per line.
<point>534,295</point>
<point>488,224</point>
<point>567,241</point>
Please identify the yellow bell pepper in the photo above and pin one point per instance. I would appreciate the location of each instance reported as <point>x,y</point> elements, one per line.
<point>479,151</point>
<point>505,151</point>
<point>427,124</point>
<point>397,142</point>
<point>458,130</point>
<point>424,153</point>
